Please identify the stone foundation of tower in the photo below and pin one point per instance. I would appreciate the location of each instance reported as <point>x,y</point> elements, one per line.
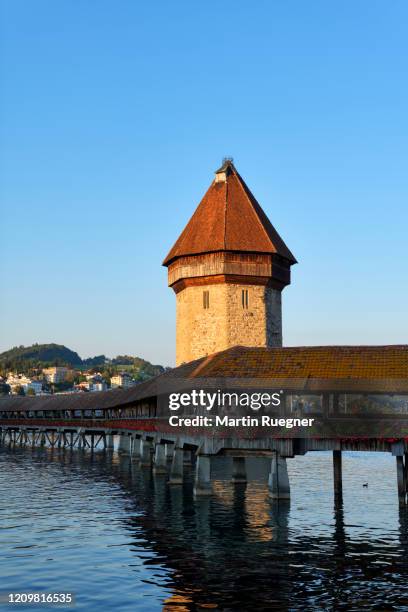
<point>214,317</point>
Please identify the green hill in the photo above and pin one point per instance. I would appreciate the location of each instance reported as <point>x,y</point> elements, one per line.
<point>28,359</point>
<point>138,367</point>
<point>52,354</point>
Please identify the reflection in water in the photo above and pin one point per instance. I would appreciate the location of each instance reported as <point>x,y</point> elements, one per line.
<point>121,538</point>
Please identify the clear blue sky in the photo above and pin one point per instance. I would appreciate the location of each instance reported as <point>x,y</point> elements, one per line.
<point>115,114</point>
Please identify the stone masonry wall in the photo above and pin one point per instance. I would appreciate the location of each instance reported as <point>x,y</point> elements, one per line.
<point>258,325</point>
<point>202,331</point>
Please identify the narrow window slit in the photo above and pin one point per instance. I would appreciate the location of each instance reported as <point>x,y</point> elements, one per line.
<point>206,299</point>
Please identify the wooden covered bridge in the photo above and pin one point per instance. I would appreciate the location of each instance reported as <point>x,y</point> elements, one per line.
<point>357,396</point>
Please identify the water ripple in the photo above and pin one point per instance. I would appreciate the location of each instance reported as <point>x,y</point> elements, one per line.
<point>121,539</point>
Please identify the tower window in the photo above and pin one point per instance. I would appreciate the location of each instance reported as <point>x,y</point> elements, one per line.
<point>244,298</point>
<point>206,299</point>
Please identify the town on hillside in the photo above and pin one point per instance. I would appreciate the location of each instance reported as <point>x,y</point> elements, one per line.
<point>51,369</point>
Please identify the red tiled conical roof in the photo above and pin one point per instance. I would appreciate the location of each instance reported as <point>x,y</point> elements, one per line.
<point>229,218</point>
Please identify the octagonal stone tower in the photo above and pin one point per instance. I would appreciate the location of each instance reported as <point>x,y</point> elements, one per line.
<point>228,269</point>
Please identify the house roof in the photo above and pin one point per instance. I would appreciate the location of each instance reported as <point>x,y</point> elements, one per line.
<point>229,218</point>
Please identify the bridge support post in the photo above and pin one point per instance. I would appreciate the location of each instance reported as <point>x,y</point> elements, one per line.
<point>160,461</point>
<point>81,439</point>
<point>109,441</point>
<point>278,481</point>
<point>401,479</point>
<point>176,470</point>
<point>51,438</point>
<point>23,437</point>
<point>124,444</point>
<point>169,450</point>
<point>238,470</point>
<point>145,453</point>
<point>202,484</point>
<point>337,475</point>
<point>136,443</point>
<point>187,457</point>
<point>406,472</point>
<point>42,438</point>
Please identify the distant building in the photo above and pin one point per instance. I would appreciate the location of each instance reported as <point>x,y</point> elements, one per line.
<point>36,386</point>
<point>123,379</point>
<point>19,380</point>
<point>96,382</point>
<point>89,385</point>
<point>94,378</point>
<point>56,374</point>
<point>99,386</point>
<point>82,386</point>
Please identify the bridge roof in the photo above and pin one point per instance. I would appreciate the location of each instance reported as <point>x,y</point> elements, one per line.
<point>344,362</point>
<point>307,369</point>
<point>229,218</point>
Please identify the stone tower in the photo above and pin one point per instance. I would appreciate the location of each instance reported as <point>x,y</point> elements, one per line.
<point>228,269</point>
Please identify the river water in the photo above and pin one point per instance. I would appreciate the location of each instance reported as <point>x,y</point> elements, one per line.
<point>121,539</point>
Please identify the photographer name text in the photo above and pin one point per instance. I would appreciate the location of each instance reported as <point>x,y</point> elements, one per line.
<point>244,421</point>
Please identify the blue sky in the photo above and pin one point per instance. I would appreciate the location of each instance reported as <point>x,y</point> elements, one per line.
<point>115,114</point>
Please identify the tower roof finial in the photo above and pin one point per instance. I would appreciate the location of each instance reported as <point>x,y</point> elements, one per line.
<point>227,162</point>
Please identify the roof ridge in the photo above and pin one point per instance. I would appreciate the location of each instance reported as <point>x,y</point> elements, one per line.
<point>241,183</point>
<point>225,214</point>
<point>257,208</point>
